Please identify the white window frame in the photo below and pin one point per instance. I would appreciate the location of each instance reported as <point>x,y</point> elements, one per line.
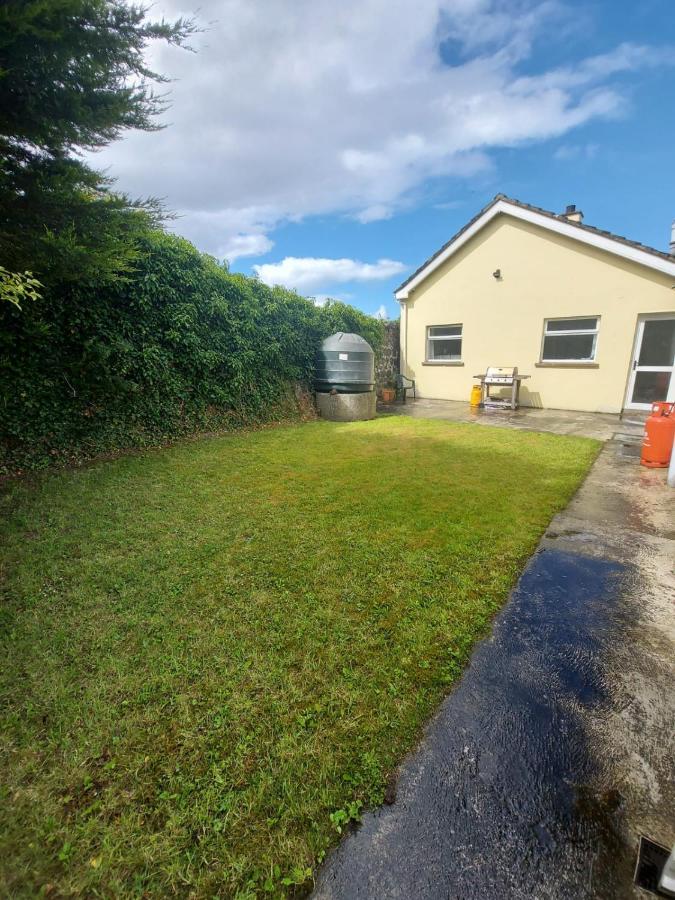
<point>448,337</point>
<point>574,332</point>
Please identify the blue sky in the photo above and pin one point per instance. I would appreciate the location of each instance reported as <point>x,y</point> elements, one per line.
<point>334,147</point>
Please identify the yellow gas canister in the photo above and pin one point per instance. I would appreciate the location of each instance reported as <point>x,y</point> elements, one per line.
<point>475,395</point>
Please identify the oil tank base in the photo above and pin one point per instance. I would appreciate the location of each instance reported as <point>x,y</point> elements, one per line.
<point>346,407</point>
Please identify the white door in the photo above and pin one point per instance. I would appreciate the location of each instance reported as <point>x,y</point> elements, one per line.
<point>652,374</point>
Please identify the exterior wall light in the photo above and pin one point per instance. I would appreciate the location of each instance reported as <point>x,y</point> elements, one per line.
<point>497,274</point>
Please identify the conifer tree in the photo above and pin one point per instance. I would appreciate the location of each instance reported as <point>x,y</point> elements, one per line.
<point>73,77</point>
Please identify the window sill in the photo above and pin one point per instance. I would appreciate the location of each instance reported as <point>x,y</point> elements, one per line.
<point>440,362</point>
<point>567,365</point>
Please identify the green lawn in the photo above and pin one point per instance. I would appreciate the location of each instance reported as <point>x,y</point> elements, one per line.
<point>214,655</point>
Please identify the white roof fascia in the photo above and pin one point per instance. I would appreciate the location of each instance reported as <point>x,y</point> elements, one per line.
<point>610,245</point>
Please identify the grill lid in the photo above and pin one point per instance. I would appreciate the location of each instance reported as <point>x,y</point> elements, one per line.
<point>500,374</point>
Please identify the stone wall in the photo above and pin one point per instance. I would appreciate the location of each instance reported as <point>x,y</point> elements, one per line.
<point>388,359</point>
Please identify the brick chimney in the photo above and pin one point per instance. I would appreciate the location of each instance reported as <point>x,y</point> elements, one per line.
<point>572,214</point>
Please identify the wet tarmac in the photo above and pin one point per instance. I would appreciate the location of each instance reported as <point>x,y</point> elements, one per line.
<point>494,805</point>
<point>555,750</point>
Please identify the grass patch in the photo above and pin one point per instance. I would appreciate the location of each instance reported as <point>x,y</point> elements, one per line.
<point>214,655</point>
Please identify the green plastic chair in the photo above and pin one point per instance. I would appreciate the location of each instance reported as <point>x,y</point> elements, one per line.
<point>403,385</point>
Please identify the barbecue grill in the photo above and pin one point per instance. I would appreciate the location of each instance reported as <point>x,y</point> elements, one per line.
<point>500,377</point>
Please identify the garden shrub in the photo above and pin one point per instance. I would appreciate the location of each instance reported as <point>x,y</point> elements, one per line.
<point>177,346</point>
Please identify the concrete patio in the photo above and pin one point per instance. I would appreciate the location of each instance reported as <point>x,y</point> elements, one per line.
<point>601,426</point>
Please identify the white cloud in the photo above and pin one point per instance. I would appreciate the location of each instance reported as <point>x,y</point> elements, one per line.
<point>322,299</point>
<point>296,108</point>
<point>227,232</point>
<point>307,273</point>
<point>374,213</point>
<point>245,245</point>
<point>624,58</point>
<point>449,204</point>
<point>576,151</point>
<point>381,312</point>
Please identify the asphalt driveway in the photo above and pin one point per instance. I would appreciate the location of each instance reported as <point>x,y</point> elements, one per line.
<point>554,752</point>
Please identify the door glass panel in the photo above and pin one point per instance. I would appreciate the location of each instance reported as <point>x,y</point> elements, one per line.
<point>650,387</point>
<point>658,343</point>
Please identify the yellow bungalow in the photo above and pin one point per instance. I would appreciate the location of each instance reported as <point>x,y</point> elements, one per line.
<point>588,315</point>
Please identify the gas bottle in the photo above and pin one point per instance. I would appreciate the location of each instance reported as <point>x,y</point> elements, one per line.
<point>657,444</point>
<point>476,395</point>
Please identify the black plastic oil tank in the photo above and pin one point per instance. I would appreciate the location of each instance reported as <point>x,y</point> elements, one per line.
<point>345,363</point>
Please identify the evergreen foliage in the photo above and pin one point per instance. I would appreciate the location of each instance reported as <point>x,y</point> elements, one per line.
<point>178,346</point>
<point>116,334</point>
<point>72,78</point>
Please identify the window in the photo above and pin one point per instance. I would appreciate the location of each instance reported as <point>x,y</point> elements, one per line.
<point>569,340</point>
<point>444,343</point>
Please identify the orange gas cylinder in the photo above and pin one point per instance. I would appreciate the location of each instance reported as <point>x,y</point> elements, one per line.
<point>657,444</point>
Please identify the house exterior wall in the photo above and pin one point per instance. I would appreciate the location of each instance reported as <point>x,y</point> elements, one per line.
<point>544,275</point>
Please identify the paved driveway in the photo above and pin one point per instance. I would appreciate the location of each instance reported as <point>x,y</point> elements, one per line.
<point>555,750</point>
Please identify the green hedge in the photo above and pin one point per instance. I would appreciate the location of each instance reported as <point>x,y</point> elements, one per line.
<point>182,345</point>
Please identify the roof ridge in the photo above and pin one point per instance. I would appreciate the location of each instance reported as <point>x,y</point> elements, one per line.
<point>661,254</point>
<point>583,225</point>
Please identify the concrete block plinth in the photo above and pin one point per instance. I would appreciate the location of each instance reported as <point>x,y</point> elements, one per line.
<point>346,407</point>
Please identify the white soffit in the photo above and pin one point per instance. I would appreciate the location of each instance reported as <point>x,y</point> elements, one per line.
<point>560,226</point>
